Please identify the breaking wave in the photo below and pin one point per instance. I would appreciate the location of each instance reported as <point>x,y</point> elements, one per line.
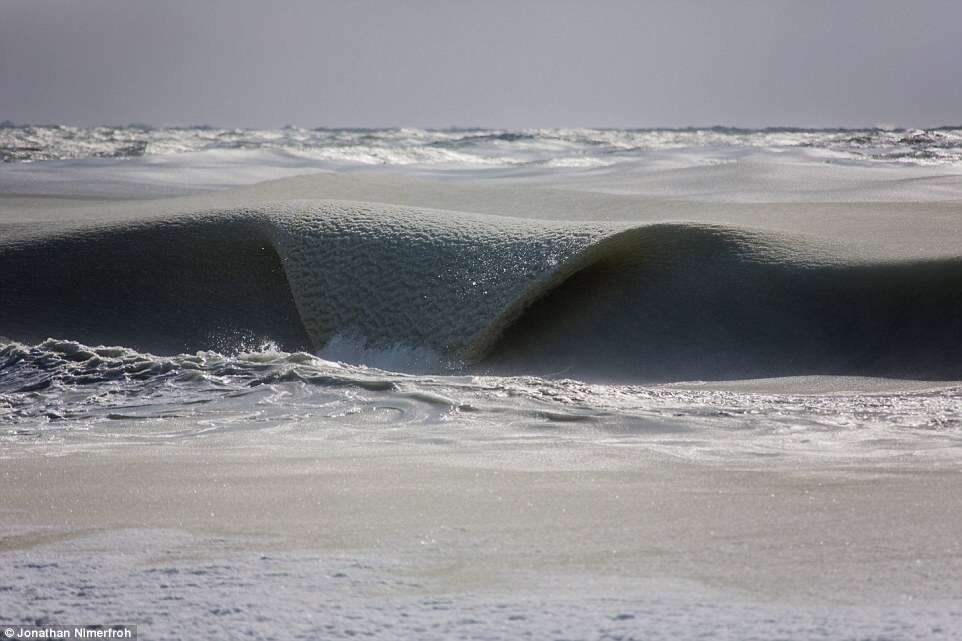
<point>561,147</point>
<point>453,291</point>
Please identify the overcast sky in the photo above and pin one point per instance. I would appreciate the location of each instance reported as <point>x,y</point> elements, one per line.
<point>505,64</point>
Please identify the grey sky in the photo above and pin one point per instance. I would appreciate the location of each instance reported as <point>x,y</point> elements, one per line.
<point>490,63</point>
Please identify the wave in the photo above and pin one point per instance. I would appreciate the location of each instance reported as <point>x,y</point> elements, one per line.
<point>652,302</point>
<point>487,147</point>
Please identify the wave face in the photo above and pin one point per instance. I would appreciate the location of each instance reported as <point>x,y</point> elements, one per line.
<point>556,148</point>
<point>607,301</point>
<point>181,285</point>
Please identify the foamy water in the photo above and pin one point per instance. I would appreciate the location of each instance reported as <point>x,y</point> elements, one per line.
<point>557,148</point>
<point>64,392</point>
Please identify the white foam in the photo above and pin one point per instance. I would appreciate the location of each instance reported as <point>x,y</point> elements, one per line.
<point>779,165</point>
<point>354,350</point>
<point>159,581</point>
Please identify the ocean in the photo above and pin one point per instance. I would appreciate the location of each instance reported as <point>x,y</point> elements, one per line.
<point>567,307</point>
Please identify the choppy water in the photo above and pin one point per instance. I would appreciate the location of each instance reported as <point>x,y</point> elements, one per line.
<point>64,390</point>
<point>559,148</point>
